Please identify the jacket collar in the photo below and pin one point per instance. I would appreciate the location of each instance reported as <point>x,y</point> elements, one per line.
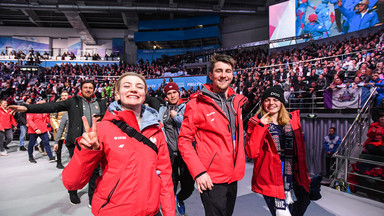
<point>149,116</point>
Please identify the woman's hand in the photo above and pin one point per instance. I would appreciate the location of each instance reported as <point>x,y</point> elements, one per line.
<point>89,139</point>
<point>265,119</point>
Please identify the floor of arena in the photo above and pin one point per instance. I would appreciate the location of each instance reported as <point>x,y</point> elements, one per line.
<point>36,190</point>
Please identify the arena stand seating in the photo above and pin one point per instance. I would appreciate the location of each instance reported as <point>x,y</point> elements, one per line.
<point>301,72</point>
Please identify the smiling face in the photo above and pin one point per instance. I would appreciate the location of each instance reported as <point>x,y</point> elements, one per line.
<point>87,90</point>
<point>271,105</point>
<point>221,76</point>
<point>131,92</point>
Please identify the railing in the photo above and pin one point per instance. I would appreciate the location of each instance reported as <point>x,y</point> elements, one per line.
<point>350,149</point>
<point>312,103</point>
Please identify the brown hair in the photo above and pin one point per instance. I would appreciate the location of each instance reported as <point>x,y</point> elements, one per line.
<point>117,84</point>
<point>221,58</point>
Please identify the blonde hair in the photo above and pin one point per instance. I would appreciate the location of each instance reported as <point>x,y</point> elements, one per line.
<point>117,84</point>
<point>283,117</point>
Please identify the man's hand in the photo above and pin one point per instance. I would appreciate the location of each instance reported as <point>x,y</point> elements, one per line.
<point>173,113</point>
<point>16,108</point>
<point>55,147</point>
<point>89,139</point>
<point>204,182</point>
<point>265,119</point>
<point>38,131</point>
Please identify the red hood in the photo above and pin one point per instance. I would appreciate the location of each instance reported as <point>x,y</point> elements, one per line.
<point>126,116</point>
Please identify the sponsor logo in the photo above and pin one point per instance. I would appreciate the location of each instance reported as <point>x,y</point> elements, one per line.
<point>276,94</point>
<point>153,139</point>
<point>121,146</point>
<point>210,113</point>
<point>119,137</point>
<point>213,119</point>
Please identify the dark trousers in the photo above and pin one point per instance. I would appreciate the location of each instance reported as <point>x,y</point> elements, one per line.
<point>298,208</point>
<point>58,152</point>
<point>220,201</point>
<point>44,140</point>
<point>95,174</point>
<point>5,138</point>
<point>329,161</point>
<point>375,150</point>
<point>180,173</point>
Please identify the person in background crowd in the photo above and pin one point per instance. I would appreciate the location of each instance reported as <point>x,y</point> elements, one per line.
<point>331,143</point>
<point>137,173</point>
<point>171,116</point>
<point>362,19</point>
<point>83,104</point>
<point>61,135</point>
<point>7,124</point>
<point>211,140</point>
<point>375,143</point>
<point>38,127</point>
<point>22,122</point>
<point>275,141</point>
<point>56,122</point>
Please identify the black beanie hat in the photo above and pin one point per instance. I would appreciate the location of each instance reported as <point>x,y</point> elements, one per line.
<point>274,91</point>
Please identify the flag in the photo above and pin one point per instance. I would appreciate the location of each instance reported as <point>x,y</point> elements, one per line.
<point>342,98</point>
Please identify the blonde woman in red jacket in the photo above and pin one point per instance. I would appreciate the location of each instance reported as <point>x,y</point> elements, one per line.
<point>275,141</point>
<point>136,179</point>
<point>6,123</point>
<point>38,127</point>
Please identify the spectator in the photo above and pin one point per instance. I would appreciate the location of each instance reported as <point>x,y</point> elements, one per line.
<point>331,143</point>
<point>6,122</point>
<point>216,178</point>
<point>146,172</point>
<point>374,145</point>
<point>171,116</point>
<point>22,122</point>
<point>272,136</point>
<point>37,127</point>
<point>361,19</point>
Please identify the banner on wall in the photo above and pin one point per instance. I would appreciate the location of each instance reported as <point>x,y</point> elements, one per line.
<point>342,98</point>
<point>185,82</point>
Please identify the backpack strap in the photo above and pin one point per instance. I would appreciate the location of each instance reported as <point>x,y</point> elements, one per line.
<point>132,132</point>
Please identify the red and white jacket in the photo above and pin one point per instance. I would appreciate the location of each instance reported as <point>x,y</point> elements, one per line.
<point>267,176</point>
<point>216,152</point>
<point>6,119</point>
<point>37,121</point>
<point>135,180</point>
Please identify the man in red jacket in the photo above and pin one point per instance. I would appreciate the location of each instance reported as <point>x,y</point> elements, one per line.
<point>211,139</point>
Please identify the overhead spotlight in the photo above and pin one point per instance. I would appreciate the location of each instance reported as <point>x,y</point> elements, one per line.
<point>154,46</point>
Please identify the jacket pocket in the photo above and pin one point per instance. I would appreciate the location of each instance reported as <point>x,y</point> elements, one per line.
<point>211,161</point>
<point>110,195</point>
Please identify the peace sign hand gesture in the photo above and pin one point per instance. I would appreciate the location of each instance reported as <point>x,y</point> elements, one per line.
<point>89,139</point>
<point>265,119</point>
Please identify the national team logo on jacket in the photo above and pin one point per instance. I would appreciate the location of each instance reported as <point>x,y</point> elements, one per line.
<point>153,139</point>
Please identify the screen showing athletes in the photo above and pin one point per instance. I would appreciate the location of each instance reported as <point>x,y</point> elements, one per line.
<point>326,18</point>
<point>321,18</point>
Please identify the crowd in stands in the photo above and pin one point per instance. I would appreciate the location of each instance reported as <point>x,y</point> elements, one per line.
<point>302,73</point>
<point>33,55</point>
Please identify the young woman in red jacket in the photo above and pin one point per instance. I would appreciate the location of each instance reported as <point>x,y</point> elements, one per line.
<point>136,179</point>
<point>275,141</point>
<point>6,123</point>
<point>38,127</point>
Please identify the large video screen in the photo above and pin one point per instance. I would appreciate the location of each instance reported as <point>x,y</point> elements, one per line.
<point>282,22</point>
<point>322,18</point>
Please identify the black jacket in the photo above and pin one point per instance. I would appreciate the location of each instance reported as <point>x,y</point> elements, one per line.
<point>74,107</point>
